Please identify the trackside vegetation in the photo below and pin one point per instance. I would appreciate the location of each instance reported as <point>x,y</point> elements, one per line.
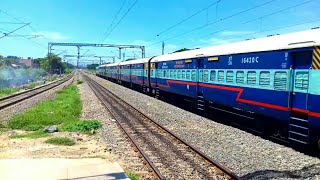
<point>63,141</point>
<point>32,135</point>
<point>64,110</point>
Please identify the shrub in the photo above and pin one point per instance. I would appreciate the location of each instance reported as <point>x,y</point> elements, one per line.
<point>82,126</point>
<point>61,141</point>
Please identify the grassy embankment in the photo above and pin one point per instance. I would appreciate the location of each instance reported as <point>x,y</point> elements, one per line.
<point>8,91</point>
<point>64,111</point>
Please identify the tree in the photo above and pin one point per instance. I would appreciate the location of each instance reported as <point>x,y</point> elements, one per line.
<point>92,66</point>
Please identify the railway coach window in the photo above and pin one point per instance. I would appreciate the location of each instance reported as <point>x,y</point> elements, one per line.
<point>301,81</point>
<point>280,80</point>
<point>171,74</point>
<point>213,75</point>
<point>193,75</point>
<point>188,74</point>
<point>206,76</point>
<point>252,78</point>
<point>230,77</point>
<point>167,74</point>
<point>220,76</point>
<point>183,73</point>
<point>179,74</point>
<point>264,80</point>
<point>174,74</point>
<point>240,77</point>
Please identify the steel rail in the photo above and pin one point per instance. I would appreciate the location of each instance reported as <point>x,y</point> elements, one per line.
<point>3,101</point>
<point>144,155</point>
<point>210,160</point>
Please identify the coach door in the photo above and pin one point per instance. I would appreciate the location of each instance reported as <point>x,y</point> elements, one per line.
<point>300,72</point>
<point>200,99</point>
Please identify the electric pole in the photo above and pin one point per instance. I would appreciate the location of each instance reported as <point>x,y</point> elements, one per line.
<point>162,47</point>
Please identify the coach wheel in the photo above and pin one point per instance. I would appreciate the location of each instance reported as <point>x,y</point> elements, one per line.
<point>153,91</point>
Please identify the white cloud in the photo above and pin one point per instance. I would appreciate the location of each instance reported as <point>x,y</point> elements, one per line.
<point>156,49</point>
<point>54,36</point>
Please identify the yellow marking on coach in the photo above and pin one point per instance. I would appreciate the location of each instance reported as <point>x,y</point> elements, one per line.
<point>314,66</point>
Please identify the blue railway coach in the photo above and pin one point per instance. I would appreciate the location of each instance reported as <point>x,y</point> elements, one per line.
<point>275,80</point>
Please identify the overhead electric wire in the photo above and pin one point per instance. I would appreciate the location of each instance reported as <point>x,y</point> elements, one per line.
<point>115,17</point>
<point>261,17</point>
<point>120,20</point>
<point>6,34</point>
<point>184,20</point>
<point>208,24</point>
<point>283,27</point>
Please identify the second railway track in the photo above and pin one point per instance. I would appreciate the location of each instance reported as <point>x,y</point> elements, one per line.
<point>8,101</point>
<point>169,156</point>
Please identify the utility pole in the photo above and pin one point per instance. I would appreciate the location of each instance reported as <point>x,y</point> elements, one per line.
<point>123,56</point>
<point>120,54</point>
<point>162,47</point>
<point>100,60</point>
<point>78,57</point>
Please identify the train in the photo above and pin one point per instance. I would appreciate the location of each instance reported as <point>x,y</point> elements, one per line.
<point>273,81</point>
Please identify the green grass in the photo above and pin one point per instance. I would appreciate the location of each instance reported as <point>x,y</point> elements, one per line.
<point>64,109</point>
<point>61,141</point>
<point>8,91</point>
<point>79,82</point>
<point>32,135</point>
<point>82,126</point>
<point>133,176</point>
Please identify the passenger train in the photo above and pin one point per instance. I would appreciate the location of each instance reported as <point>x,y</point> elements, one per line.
<point>276,79</point>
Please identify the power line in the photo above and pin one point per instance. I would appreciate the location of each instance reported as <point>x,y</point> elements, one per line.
<point>222,19</point>
<point>115,16</point>
<point>120,20</point>
<point>184,20</point>
<point>6,34</point>
<point>261,17</point>
<point>283,27</point>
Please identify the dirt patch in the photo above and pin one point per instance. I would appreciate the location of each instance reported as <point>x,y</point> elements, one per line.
<point>86,146</point>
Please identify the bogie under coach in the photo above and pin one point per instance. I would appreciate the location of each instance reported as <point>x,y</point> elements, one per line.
<point>273,80</point>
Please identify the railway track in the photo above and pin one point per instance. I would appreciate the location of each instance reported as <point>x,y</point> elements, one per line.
<point>10,100</point>
<point>166,154</point>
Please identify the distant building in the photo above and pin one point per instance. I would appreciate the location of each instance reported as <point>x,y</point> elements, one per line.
<point>26,62</point>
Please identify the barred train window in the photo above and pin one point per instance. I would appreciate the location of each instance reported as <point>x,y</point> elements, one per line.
<point>183,74</point>
<point>280,80</point>
<point>167,73</point>
<point>206,76</point>
<point>200,75</point>
<point>174,74</point>
<point>179,74</point>
<point>193,75</point>
<point>301,81</point>
<point>171,74</point>
<point>220,76</point>
<point>164,73</point>
<point>252,78</point>
<point>230,75</point>
<point>240,77</point>
<point>264,79</point>
<point>188,75</point>
<point>152,73</point>
<point>213,75</point>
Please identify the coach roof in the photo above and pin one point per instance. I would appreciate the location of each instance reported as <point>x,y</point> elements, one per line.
<point>135,61</point>
<point>277,42</point>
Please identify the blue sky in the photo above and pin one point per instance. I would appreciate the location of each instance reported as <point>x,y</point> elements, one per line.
<point>88,20</point>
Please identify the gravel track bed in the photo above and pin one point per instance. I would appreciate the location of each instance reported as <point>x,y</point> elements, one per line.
<point>247,155</point>
<point>116,143</point>
<point>7,113</point>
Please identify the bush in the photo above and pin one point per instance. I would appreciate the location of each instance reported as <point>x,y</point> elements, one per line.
<point>82,126</point>
<point>79,82</point>
<point>61,141</point>
<point>33,135</point>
